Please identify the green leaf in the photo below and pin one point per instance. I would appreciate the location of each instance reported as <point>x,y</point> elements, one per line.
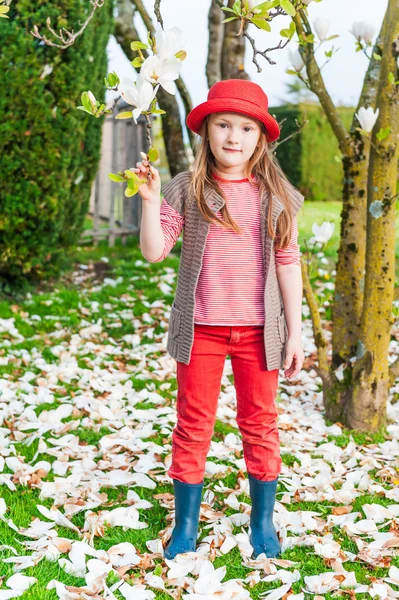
<point>383,133</point>
<point>288,7</point>
<point>225,8</point>
<point>229,19</point>
<point>158,111</point>
<point>138,45</point>
<point>116,178</point>
<point>181,55</point>
<point>86,102</point>
<point>287,33</point>
<point>4,9</point>
<point>84,109</point>
<point>261,23</point>
<point>127,114</point>
<point>137,62</point>
<point>131,191</point>
<point>237,8</point>
<point>264,6</point>
<point>158,570</point>
<point>291,72</point>
<point>113,79</point>
<point>153,154</point>
<point>391,78</point>
<point>331,37</point>
<point>131,175</point>
<point>376,56</point>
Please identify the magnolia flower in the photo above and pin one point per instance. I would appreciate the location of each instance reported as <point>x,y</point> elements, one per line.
<point>307,2</point>
<point>160,71</point>
<point>168,43</point>
<point>367,118</point>
<point>139,94</point>
<point>321,25</point>
<point>296,60</point>
<point>323,234</point>
<point>363,31</point>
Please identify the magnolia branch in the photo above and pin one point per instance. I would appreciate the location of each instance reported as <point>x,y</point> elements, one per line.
<point>316,83</point>
<point>300,127</point>
<point>157,12</point>
<point>66,37</point>
<point>263,53</point>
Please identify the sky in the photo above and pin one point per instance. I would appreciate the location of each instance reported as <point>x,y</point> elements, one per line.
<point>343,75</point>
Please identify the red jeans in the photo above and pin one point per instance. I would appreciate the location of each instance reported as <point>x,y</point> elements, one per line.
<point>199,385</point>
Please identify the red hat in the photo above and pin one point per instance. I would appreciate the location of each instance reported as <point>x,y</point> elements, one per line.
<point>235,95</point>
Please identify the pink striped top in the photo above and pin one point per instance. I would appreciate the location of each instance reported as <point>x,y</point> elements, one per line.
<point>231,283</point>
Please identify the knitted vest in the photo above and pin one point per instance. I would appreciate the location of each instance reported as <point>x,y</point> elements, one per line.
<point>181,322</point>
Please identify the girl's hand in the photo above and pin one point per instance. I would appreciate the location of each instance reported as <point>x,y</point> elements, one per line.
<point>151,190</point>
<point>294,357</point>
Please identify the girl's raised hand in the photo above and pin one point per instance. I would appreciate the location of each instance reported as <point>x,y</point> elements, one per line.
<point>150,191</point>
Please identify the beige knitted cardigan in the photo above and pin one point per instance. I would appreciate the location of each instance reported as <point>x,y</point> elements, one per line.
<point>181,323</point>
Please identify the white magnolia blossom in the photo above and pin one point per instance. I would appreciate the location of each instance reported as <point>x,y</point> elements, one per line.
<point>160,71</point>
<point>139,94</point>
<point>307,2</point>
<point>367,118</point>
<point>324,232</point>
<point>168,43</point>
<point>363,31</point>
<point>296,59</point>
<point>321,26</point>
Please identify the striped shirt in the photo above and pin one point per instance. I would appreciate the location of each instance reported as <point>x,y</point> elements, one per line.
<point>231,283</point>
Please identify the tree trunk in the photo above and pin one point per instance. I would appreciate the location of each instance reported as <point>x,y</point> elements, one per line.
<point>349,283</point>
<point>365,408</point>
<point>213,67</point>
<point>233,51</point>
<point>365,269</point>
<point>125,32</point>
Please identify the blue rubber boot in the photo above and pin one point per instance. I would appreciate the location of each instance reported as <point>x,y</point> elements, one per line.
<point>263,536</point>
<point>187,508</point>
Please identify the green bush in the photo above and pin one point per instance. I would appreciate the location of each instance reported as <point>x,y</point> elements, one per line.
<point>309,158</point>
<point>49,150</point>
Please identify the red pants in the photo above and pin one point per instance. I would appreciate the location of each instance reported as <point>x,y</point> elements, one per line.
<point>199,385</point>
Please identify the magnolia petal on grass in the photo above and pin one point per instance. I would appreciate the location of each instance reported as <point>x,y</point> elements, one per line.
<point>136,592</point>
<point>55,515</point>
<point>18,584</point>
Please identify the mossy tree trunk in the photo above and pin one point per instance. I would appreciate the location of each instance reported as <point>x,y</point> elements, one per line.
<point>365,277</point>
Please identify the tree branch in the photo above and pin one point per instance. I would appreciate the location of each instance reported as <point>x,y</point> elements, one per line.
<point>263,53</point>
<point>320,340</point>
<point>157,11</point>
<point>181,86</point>
<point>66,37</point>
<point>317,84</point>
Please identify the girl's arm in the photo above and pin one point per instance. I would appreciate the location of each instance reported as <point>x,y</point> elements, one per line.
<point>172,225</point>
<point>289,275</point>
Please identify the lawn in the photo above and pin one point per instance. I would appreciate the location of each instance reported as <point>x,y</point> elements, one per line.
<point>87,396</point>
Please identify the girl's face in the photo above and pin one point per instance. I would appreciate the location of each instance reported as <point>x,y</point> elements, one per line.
<point>233,138</point>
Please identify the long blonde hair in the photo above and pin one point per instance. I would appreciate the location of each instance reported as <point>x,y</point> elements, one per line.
<point>269,178</point>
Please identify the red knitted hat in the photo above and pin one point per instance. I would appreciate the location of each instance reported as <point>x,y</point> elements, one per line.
<point>235,95</point>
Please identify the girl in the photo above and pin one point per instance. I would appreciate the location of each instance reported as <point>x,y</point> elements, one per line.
<point>239,293</point>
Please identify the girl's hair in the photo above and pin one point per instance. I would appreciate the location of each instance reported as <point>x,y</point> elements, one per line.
<point>269,176</point>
